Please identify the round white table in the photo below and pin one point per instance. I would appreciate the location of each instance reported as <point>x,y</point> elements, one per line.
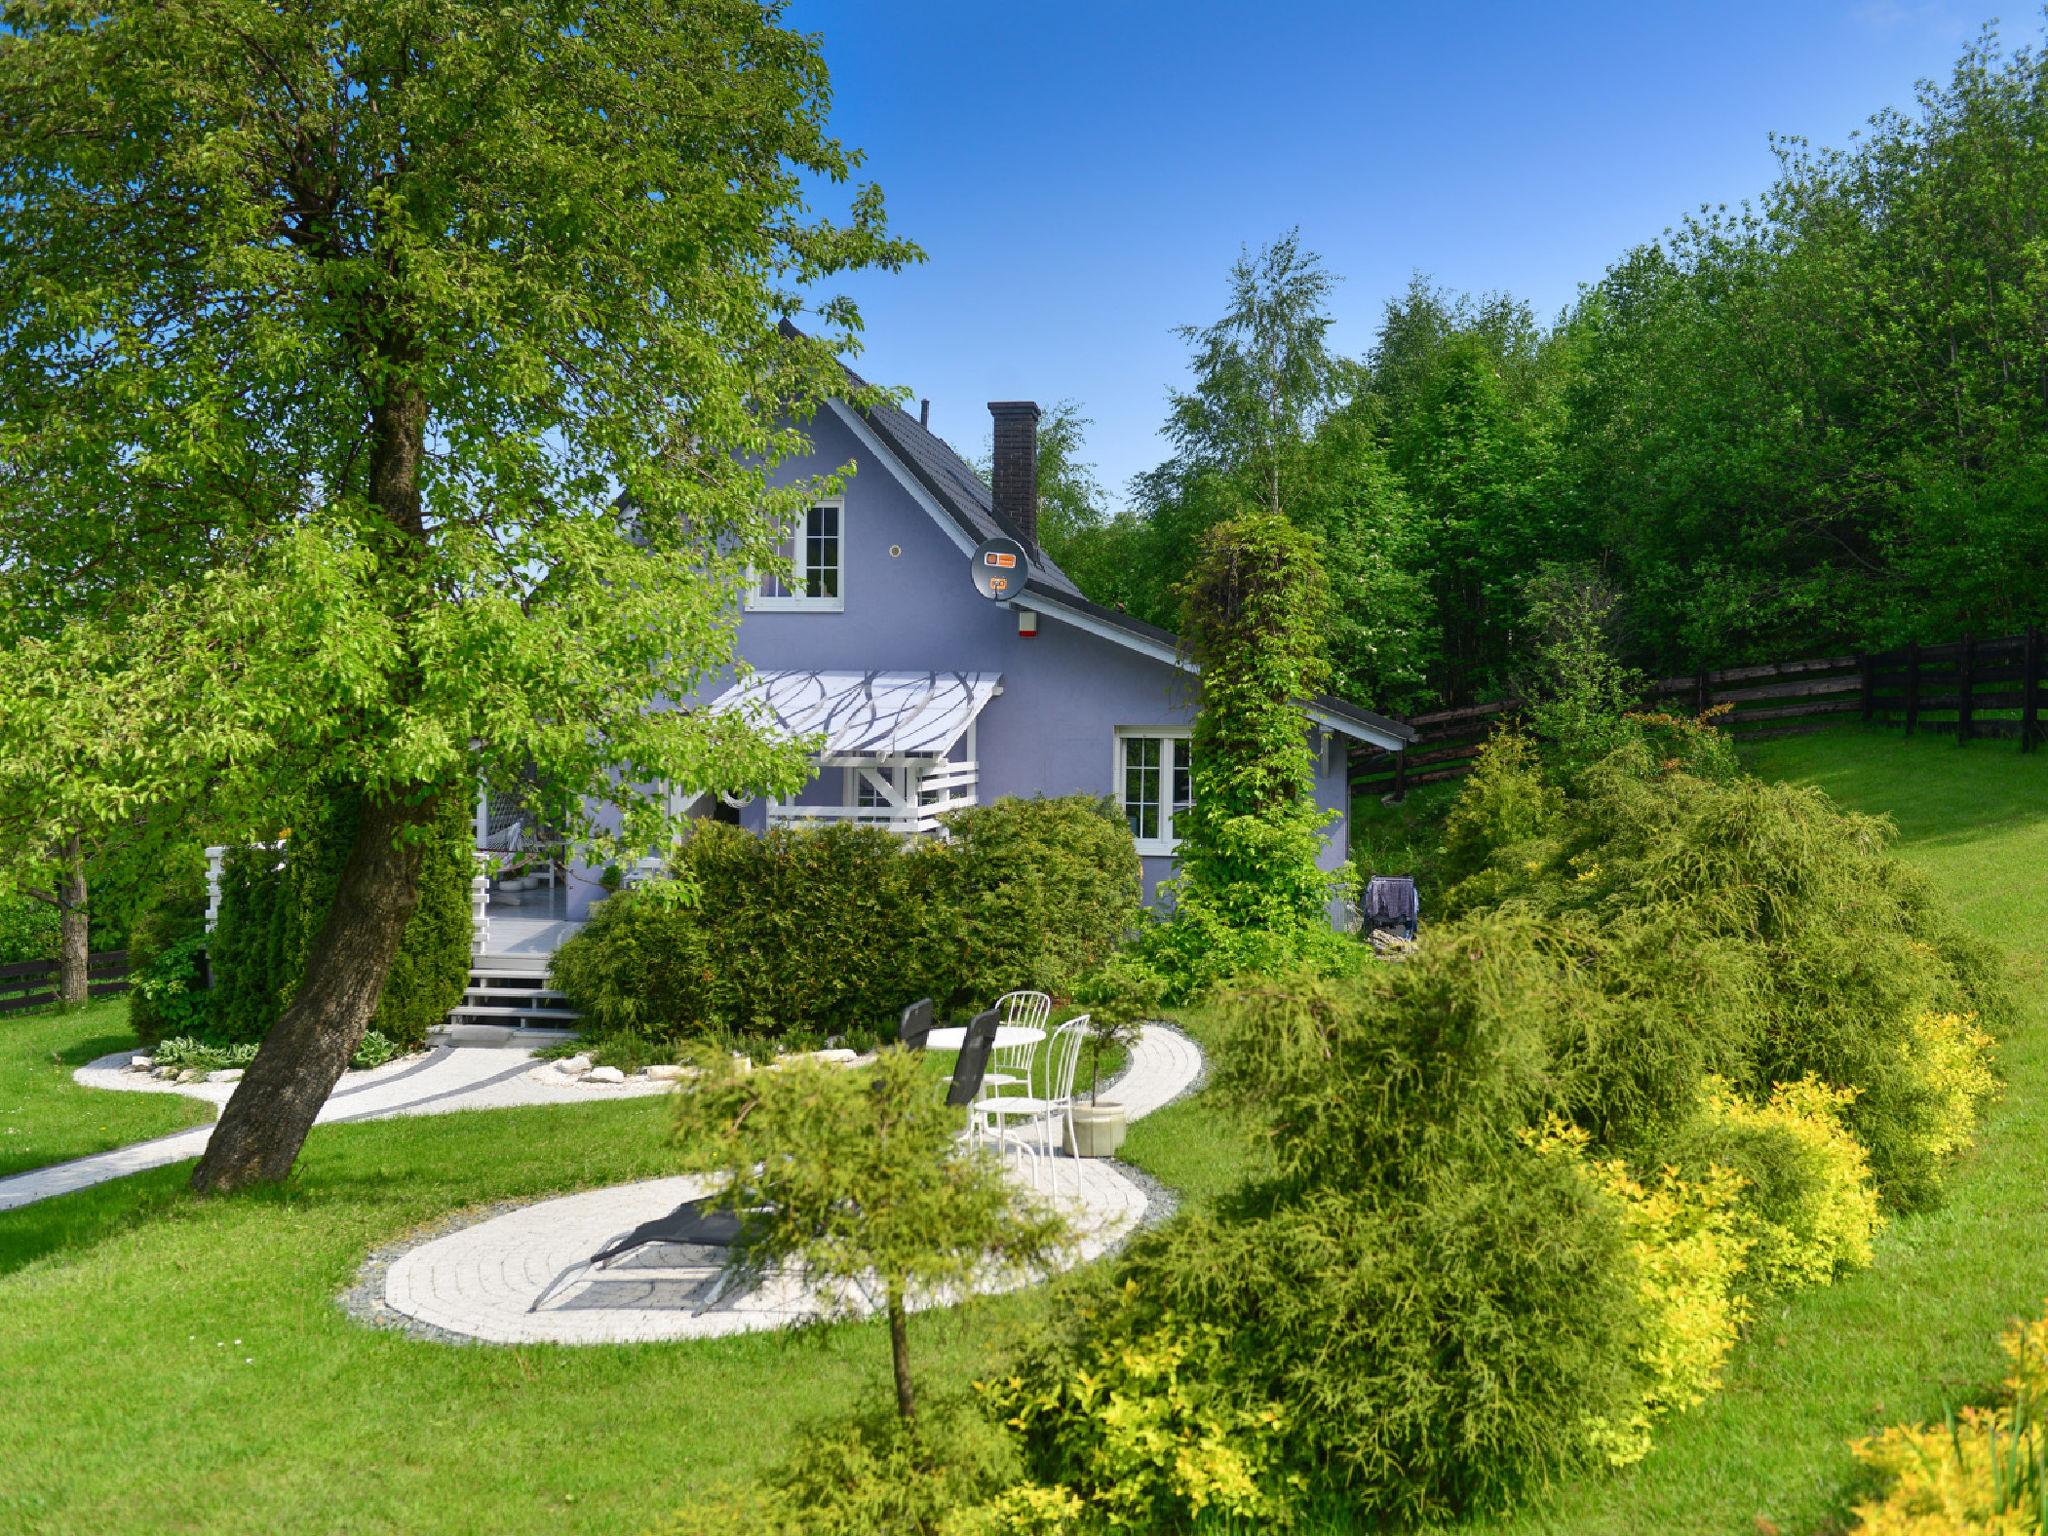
<point>1007,1035</point>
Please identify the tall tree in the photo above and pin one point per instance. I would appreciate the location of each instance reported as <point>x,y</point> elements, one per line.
<point>1264,371</point>
<point>428,349</point>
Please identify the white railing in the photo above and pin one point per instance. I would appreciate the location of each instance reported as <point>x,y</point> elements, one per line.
<point>480,905</point>
<point>930,789</point>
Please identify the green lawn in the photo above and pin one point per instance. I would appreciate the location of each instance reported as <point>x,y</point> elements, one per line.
<point>46,1118</point>
<point>176,1365</point>
<point>173,1365</point>
<point>1919,1331</point>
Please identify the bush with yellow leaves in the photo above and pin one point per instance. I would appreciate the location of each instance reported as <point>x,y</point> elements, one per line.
<point>1951,1057</point>
<point>1809,1205</point>
<point>1139,1432</point>
<point>1982,1472</point>
<point>1684,1236</point>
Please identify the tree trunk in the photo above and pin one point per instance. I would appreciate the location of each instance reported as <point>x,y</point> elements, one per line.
<point>899,1350</point>
<point>305,1053</point>
<point>73,925</point>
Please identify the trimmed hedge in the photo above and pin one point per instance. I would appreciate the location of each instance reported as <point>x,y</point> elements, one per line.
<point>272,905</point>
<point>803,934</point>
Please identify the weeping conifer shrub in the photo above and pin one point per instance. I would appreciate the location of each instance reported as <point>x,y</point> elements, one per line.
<point>1440,1312</point>
<point>1729,927</point>
<point>273,901</point>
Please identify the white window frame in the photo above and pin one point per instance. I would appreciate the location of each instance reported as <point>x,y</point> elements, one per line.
<point>887,810</point>
<point>799,602</point>
<point>1168,842</point>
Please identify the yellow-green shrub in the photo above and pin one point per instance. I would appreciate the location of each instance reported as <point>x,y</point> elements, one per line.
<point>1139,1431</point>
<point>1982,1473</point>
<point>1688,1252</point>
<point>1809,1207</point>
<point>1952,1058</point>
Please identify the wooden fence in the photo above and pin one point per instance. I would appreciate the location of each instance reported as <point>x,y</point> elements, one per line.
<point>33,983</point>
<point>1970,688</point>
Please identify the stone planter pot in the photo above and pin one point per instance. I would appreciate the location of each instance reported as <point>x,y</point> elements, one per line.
<point>1097,1129</point>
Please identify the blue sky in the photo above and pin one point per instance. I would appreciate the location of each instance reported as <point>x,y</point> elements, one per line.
<point>1081,174</point>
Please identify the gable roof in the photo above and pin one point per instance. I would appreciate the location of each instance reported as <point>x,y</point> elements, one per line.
<point>949,489</point>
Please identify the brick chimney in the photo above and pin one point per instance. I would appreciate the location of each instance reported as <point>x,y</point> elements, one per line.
<point>1016,467</point>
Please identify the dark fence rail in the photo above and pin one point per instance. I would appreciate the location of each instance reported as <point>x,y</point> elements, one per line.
<point>1969,688</point>
<point>33,983</point>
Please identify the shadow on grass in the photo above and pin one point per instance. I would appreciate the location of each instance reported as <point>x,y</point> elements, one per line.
<point>76,1224</point>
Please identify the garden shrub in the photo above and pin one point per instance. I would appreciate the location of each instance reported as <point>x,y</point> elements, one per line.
<point>804,934</point>
<point>1138,1432</point>
<point>869,1474</point>
<point>1741,928</point>
<point>1439,1309</point>
<point>273,902</point>
<point>1952,1057</point>
<point>1808,1208</point>
<point>1984,1472</point>
<point>1505,803</point>
<point>1687,1254</point>
<point>1436,1350</point>
<point>1027,893</point>
<point>167,946</point>
<point>167,993</point>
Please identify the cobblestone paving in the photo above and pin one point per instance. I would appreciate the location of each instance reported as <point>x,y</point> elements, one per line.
<point>521,1277</point>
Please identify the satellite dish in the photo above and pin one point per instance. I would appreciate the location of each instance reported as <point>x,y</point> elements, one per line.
<point>1000,569</point>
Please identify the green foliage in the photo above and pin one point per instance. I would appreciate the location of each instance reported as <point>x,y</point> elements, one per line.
<point>374,1050</point>
<point>1249,893</point>
<point>1686,1253</point>
<point>857,1178</point>
<point>275,899</point>
<point>807,933</point>
<point>1579,694</point>
<point>415,386</point>
<point>189,1054</point>
<point>1740,928</point>
<point>1140,1433</point>
<point>873,1473</point>
<point>1808,1209</point>
<point>29,929</point>
<point>168,994</point>
<point>1026,893</point>
<point>166,940</point>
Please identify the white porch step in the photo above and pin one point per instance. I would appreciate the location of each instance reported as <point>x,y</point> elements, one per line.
<point>550,1014</point>
<point>523,994</point>
<point>497,1034</point>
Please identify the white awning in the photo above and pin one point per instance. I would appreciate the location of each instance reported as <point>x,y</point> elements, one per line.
<point>867,714</point>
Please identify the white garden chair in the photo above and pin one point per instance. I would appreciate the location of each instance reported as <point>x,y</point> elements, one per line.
<point>1012,1065</point>
<point>1044,1117</point>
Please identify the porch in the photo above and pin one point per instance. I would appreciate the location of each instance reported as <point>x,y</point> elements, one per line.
<point>898,750</point>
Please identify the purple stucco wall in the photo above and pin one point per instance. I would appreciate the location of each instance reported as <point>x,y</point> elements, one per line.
<point>1065,692</point>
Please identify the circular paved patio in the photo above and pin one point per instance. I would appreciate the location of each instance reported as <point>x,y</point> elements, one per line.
<point>522,1277</point>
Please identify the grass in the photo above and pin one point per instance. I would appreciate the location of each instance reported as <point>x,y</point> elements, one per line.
<point>1918,1332</point>
<point>46,1118</point>
<point>141,1328</point>
<point>182,1365</point>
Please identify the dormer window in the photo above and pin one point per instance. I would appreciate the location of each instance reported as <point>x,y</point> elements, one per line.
<point>816,552</point>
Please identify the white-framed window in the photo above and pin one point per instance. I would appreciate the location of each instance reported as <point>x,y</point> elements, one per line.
<point>865,792</point>
<point>1153,784</point>
<point>816,551</point>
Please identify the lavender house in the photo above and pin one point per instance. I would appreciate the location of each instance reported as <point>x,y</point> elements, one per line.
<point>930,696</point>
